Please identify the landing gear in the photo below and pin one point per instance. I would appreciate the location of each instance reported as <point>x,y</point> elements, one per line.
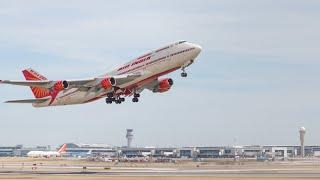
<point>135,99</point>
<point>109,100</point>
<point>184,74</point>
<point>117,100</point>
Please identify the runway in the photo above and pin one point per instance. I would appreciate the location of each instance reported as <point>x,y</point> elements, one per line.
<point>167,172</point>
<point>75,169</point>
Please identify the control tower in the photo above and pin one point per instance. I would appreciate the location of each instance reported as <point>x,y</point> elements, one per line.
<point>129,137</point>
<point>302,132</point>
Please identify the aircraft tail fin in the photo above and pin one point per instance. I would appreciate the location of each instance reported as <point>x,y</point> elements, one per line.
<point>32,75</point>
<point>63,148</point>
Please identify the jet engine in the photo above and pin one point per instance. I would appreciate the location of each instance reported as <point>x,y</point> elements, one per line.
<point>107,83</point>
<point>60,85</point>
<point>163,85</point>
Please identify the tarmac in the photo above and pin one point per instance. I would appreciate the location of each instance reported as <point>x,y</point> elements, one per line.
<point>24,168</point>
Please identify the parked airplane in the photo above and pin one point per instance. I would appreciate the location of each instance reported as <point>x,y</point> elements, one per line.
<point>129,79</point>
<point>48,154</point>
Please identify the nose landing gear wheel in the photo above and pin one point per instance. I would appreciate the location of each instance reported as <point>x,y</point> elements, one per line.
<point>184,74</point>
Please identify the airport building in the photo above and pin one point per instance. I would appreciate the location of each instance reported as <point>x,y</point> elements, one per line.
<point>129,151</point>
<point>19,150</point>
<point>6,151</point>
<point>103,150</point>
<point>89,150</point>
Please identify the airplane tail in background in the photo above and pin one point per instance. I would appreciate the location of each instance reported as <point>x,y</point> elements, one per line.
<point>32,75</point>
<point>63,149</point>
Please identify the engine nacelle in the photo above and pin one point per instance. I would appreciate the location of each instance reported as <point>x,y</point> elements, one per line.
<point>163,85</point>
<point>108,83</point>
<point>60,85</point>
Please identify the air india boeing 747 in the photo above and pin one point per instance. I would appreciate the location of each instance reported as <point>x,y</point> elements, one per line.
<point>127,80</point>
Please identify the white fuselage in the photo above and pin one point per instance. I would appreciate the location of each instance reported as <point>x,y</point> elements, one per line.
<point>152,65</point>
<point>41,154</point>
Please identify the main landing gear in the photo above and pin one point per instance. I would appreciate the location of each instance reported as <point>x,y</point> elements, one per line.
<point>111,98</point>
<point>118,100</point>
<point>135,97</point>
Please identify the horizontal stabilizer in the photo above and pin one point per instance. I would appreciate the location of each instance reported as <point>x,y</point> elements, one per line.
<point>49,84</point>
<point>29,101</point>
<point>44,83</point>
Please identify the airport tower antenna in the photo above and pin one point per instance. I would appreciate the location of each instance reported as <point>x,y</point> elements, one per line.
<point>302,132</point>
<point>129,137</point>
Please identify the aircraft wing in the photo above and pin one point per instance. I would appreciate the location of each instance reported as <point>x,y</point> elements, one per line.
<point>82,83</point>
<point>29,101</point>
<point>125,78</point>
<point>48,84</point>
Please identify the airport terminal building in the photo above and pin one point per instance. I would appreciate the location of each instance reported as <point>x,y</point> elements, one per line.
<point>102,150</point>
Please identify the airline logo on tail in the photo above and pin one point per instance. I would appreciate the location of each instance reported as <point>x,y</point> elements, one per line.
<point>63,149</point>
<point>32,75</point>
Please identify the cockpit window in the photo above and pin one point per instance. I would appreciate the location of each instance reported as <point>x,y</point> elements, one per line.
<point>180,42</point>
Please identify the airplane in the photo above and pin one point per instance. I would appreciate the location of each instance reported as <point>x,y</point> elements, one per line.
<point>48,154</point>
<point>130,79</point>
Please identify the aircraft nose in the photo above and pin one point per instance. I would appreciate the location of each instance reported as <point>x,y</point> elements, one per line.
<point>198,48</point>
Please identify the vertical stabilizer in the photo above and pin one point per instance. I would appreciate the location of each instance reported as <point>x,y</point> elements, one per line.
<point>32,75</point>
<point>63,148</point>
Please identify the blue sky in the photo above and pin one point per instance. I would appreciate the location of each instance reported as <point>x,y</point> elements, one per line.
<point>255,82</point>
